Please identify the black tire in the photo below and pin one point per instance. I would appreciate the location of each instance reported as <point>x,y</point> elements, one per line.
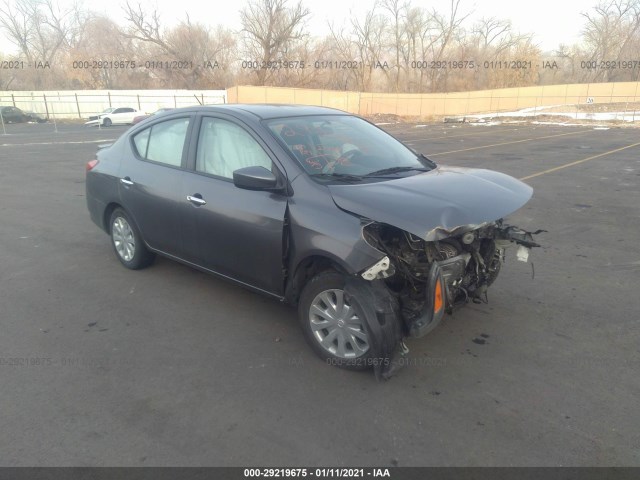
<point>127,242</point>
<point>328,282</point>
<point>106,122</point>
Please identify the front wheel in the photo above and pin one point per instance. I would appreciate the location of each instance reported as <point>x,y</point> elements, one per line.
<point>332,324</point>
<point>127,242</point>
<point>107,122</point>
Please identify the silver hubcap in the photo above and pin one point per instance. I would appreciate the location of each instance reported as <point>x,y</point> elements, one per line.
<point>336,325</point>
<point>123,239</point>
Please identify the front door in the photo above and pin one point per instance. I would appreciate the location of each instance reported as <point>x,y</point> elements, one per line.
<point>234,232</point>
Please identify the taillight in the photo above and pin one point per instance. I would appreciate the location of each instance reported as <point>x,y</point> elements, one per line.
<point>91,164</point>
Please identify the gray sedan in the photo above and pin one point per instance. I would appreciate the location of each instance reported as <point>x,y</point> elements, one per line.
<point>371,240</point>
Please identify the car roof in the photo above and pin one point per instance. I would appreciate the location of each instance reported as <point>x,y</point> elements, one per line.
<point>268,111</point>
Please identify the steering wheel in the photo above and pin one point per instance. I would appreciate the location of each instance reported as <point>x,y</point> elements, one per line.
<point>343,159</point>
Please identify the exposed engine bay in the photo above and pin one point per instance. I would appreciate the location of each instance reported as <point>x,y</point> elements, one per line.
<point>469,261</point>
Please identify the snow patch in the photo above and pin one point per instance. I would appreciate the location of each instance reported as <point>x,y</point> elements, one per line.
<point>536,111</point>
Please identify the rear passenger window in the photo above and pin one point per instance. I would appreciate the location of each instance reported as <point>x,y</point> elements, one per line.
<point>141,140</point>
<point>163,142</point>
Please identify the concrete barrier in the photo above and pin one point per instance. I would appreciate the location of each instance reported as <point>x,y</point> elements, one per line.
<point>443,104</point>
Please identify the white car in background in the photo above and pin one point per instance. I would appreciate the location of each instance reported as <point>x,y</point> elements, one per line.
<point>115,116</point>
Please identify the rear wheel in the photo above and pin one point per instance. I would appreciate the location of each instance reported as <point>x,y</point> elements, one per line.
<point>127,242</point>
<point>332,324</point>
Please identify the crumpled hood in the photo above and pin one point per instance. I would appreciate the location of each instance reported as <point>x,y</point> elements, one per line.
<point>436,204</point>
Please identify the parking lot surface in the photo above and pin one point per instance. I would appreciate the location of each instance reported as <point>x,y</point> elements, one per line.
<point>103,366</point>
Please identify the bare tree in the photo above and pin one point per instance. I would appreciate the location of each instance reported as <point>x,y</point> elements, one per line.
<point>447,27</point>
<point>206,54</point>
<point>396,46</point>
<point>39,28</point>
<point>42,33</point>
<point>211,51</point>
<point>145,27</point>
<point>419,26</point>
<point>493,33</point>
<point>398,30</point>
<point>104,40</point>
<point>493,40</point>
<point>7,75</point>
<point>271,29</point>
<point>359,50</point>
<point>370,42</point>
<point>611,30</point>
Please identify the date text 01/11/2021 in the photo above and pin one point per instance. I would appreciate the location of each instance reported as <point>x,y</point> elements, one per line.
<point>317,472</point>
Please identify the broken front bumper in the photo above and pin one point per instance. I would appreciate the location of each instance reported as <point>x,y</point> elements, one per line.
<point>442,277</point>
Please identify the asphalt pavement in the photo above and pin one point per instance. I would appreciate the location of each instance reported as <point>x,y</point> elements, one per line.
<point>103,366</point>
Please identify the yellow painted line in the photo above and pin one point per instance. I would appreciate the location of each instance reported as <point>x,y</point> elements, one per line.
<point>508,143</point>
<point>578,162</point>
<point>458,136</point>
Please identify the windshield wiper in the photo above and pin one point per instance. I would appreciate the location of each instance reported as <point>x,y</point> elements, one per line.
<point>429,162</point>
<point>347,177</point>
<point>386,171</point>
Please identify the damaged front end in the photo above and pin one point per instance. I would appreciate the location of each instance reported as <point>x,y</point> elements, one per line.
<point>429,278</point>
<point>441,245</point>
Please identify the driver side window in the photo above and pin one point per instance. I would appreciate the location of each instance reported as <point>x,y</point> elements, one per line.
<point>224,147</point>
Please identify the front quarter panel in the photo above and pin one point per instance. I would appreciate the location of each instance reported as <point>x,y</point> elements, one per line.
<point>319,228</point>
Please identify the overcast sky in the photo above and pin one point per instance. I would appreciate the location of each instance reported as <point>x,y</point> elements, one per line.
<point>552,21</point>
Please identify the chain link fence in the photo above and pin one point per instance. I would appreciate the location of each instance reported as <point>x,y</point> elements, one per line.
<point>80,105</point>
<point>607,102</point>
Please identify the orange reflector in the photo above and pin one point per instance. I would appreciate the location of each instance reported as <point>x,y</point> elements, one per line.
<point>437,298</point>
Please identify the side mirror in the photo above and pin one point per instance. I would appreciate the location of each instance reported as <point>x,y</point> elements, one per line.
<point>255,178</point>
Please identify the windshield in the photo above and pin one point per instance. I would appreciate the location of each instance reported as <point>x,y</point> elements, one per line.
<point>333,146</point>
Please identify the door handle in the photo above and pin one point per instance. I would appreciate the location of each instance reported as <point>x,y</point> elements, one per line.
<point>196,200</point>
<point>126,181</point>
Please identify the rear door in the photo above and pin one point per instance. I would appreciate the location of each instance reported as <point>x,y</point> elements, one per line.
<point>234,232</point>
<point>151,179</point>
